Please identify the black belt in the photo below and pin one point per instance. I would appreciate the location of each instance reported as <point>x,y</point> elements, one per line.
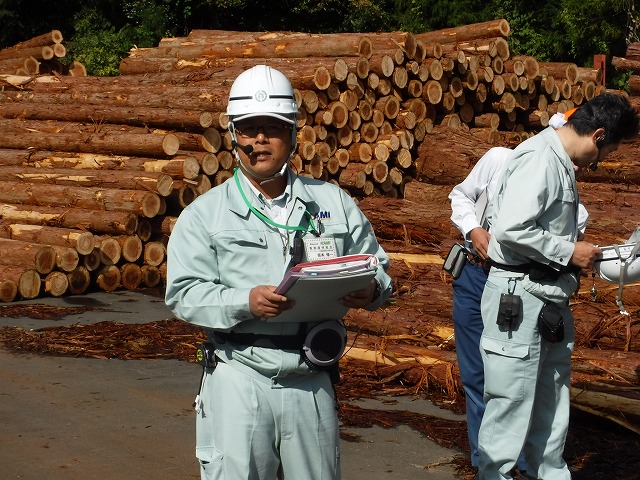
<point>278,342</point>
<point>536,270</point>
<point>523,268</point>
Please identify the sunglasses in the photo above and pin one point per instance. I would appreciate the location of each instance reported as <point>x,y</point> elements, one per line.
<point>250,130</point>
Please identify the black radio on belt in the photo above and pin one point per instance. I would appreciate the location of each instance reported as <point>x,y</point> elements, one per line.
<point>509,308</point>
<point>206,355</point>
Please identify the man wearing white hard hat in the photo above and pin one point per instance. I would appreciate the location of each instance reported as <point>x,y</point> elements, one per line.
<point>266,409</point>
<point>536,256</point>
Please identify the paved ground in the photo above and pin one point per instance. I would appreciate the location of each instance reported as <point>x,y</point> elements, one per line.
<point>69,418</point>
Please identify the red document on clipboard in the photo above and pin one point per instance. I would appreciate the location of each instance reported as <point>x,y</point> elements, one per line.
<point>316,287</point>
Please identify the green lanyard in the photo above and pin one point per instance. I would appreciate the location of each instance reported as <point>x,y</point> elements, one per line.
<point>266,219</point>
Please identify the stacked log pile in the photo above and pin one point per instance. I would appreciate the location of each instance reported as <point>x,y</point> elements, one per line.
<point>120,157</point>
<point>44,54</point>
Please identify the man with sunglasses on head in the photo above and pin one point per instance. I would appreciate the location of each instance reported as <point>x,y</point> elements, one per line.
<point>536,257</point>
<point>264,409</point>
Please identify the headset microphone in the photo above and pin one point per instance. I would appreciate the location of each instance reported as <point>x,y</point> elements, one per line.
<point>247,149</point>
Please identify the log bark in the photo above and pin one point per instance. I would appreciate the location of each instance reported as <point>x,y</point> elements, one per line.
<point>41,258</point>
<point>78,218</point>
<point>180,166</point>
<point>622,63</point>
<point>634,84</point>
<point>158,117</point>
<point>418,219</point>
<point>144,145</point>
<point>44,52</point>
<point>82,241</point>
<point>559,70</point>
<point>447,155</point>
<point>139,202</point>
<point>49,38</point>
<point>296,46</point>
<point>492,28</point>
<point>160,183</point>
<point>203,95</point>
<point>352,176</point>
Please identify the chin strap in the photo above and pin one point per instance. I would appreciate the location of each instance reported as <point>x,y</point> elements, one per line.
<point>623,268</point>
<point>262,180</point>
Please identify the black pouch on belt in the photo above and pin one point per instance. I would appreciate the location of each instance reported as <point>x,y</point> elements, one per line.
<point>551,323</point>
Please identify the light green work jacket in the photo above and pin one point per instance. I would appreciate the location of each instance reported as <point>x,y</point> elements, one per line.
<point>219,250</point>
<point>534,215</point>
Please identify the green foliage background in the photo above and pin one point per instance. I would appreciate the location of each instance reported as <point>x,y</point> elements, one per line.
<point>99,33</point>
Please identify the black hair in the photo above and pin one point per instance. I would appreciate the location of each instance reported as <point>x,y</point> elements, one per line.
<point>609,111</point>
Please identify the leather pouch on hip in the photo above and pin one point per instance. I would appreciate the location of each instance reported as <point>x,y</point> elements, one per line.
<point>551,323</point>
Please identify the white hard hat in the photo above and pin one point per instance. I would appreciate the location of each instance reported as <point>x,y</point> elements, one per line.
<point>262,91</point>
<point>619,263</point>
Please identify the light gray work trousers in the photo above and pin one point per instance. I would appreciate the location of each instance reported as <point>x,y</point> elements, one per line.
<point>255,430</point>
<point>526,389</point>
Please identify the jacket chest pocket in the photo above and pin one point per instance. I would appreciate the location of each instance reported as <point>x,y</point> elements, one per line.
<point>340,233</point>
<point>246,255</point>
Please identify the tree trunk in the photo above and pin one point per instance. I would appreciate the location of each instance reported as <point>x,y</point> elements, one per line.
<point>79,280</point>
<point>154,253</point>
<point>294,46</point>
<point>27,280</point>
<point>108,278</point>
<point>131,247</point>
<point>56,284</point>
<point>465,33</point>
<point>8,290</point>
<point>130,276</point>
<point>109,199</point>
<point>202,95</point>
<point>110,250</point>
<point>150,144</point>
<point>160,183</point>
<point>150,276</point>
<point>67,258</point>
<point>82,241</point>
<point>561,70</point>
<point>447,155</point>
<point>41,258</point>
<point>70,217</point>
<point>622,63</point>
<point>169,118</point>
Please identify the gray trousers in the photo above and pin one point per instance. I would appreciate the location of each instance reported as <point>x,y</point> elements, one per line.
<point>257,430</point>
<point>526,389</point>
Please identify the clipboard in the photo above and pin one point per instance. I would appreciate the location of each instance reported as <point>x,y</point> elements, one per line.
<point>317,287</point>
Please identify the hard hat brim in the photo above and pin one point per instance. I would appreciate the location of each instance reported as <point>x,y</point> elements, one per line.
<point>608,268</point>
